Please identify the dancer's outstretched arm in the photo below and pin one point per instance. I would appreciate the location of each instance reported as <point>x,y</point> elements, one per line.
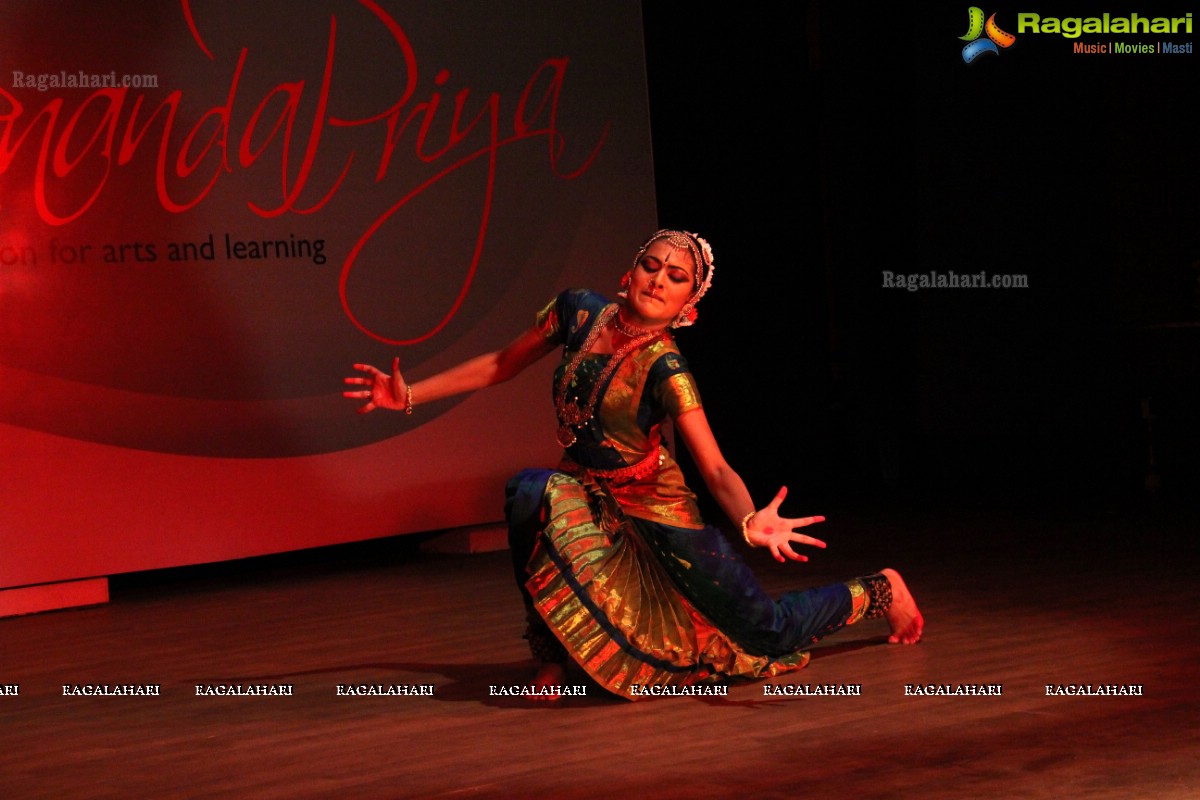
<point>764,528</point>
<point>381,390</point>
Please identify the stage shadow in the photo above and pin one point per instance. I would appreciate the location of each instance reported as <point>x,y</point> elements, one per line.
<point>840,648</point>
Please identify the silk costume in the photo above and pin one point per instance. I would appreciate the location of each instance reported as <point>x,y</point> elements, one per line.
<point>616,566</point>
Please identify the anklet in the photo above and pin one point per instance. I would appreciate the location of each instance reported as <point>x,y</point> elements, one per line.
<point>879,590</point>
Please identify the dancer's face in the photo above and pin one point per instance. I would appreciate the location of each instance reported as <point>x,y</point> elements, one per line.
<point>661,284</point>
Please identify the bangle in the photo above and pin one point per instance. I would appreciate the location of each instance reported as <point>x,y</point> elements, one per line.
<point>408,399</point>
<point>746,528</point>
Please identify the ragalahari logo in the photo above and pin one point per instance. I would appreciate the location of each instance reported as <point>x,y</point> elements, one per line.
<point>976,28</point>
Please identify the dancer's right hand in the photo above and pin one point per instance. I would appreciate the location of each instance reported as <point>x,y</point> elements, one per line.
<point>383,390</point>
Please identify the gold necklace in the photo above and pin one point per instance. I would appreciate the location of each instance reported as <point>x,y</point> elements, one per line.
<point>570,413</point>
<point>627,330</point>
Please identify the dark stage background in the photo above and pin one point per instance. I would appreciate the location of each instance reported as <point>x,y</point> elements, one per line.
<point>817,155</point>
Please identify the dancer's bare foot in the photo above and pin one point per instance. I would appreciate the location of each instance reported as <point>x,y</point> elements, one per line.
<point>904,617</point>
<point>548,675</point>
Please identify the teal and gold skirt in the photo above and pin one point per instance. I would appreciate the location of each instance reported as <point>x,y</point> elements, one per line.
<point>594,578</point>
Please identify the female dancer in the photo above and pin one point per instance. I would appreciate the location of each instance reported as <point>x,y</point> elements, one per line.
<point>617,569</point>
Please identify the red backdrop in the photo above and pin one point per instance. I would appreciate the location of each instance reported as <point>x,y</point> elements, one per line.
<point>211,209</point>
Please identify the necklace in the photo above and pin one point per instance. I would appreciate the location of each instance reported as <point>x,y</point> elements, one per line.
<point>570,413</point>
<point>627,330</point>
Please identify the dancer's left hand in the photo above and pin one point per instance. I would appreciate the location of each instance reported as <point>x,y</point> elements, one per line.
<point>767,529</point>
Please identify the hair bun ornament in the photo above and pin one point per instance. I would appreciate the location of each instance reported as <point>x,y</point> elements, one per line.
<point>707,254</point>
<point>705,248</point>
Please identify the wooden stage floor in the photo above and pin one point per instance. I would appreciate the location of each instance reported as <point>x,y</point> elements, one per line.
<point>1020,600</point>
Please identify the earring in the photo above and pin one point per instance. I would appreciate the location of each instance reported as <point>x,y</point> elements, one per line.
<point>687,317</point>
<point>625,281</point>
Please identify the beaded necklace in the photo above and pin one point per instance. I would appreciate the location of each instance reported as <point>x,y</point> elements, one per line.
<point>570,413</point>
